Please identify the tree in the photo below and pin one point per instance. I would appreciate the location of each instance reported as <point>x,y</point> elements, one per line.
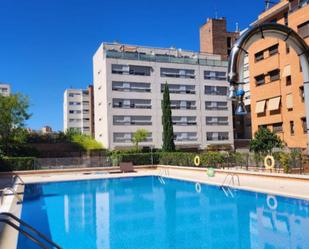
<point>13,114</point>
<point>69,133</point>
<point>85,142</point>
<point>139,136</point>
<point>168,133</point>
<point>265,141</point>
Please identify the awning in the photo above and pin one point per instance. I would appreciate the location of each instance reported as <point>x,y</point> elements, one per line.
<point>129,49</point>
<point>286,71</point>
<point>273,104</point>
<point>289,101</point>
<point>260,106</point>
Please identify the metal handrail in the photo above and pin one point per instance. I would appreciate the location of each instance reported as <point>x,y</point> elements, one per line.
<point>13,191</point>
<point>232,175</point>
<point>18,177</point>
<point>27,234</point>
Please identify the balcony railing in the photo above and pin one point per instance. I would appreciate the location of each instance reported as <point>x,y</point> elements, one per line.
<point>164,58</point>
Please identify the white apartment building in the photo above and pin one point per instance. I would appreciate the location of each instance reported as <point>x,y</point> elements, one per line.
<point>128,83</point>
<point>78,111</point>
<point>5,89</point>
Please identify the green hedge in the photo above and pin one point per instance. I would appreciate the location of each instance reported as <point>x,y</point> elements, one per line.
<point>177,158</point>
<point>208,159</point>
<point>17,163</point>
<point>136,158</point>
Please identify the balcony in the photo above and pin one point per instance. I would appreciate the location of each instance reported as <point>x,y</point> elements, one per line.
<point>163,58</point>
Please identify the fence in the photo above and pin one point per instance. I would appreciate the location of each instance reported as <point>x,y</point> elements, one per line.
<point>73,162</point>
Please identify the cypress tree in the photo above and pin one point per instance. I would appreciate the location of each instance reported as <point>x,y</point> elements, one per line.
<point>168,133</point>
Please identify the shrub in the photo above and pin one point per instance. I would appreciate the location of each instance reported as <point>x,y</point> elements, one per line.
<point>17,163</point>
<point>284,159</point>
<point>86,142</point>
<point>212,159</point>
<point>135,158</point>
<point>177,158</point>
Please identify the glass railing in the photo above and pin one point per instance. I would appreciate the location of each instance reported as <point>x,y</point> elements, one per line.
<point>164,58</point>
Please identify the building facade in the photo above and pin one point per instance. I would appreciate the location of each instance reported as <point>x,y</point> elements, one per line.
<point>128,84</point>
<point>5,89</point>
<point>276,82</point>
<point>78,112</point>
<point>215,39</point>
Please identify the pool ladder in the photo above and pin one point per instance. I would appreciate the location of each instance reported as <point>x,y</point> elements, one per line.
<point>163,173</point>
<point>18,177</point>
<point>13,191</point>
<point>37,237</point>
<point>228,182</point>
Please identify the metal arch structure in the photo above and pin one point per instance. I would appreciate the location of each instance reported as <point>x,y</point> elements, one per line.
<point>262,31</point>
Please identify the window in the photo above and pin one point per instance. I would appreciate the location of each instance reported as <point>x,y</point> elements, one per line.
<point>214,75</point>
<point>274,75</point>
<point>287,48</point>
<point>259,56</point>
<point>277,127</point>
<point>132,120</point>
<point>184,120</point>
<point>132,103</point>
<point>216,90</point>
<point>304,124</point>
<point>302,3</point>
<point>260,79</point>
<point>74,103</point>
<point>217,121</point>
<point>301,93</point>
<point>292,128</point>
<point>286,18</point>
<point>183,104</point>
<point>120,69</point>
<point>179,89</point>
<point>130,86</point>
<point>273,50</point>
<point>229,42</point>
<point>177,73</point>
<point>131,69</point>
<point>216,105</point>
<point>217,136</point>
<point>288,80</point>
<point>139,70</point>
<point>185,136</point>
<point>303,29</point>
<point>126,137</point>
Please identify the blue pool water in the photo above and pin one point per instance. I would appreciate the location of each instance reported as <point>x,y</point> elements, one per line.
<point>144,213</point>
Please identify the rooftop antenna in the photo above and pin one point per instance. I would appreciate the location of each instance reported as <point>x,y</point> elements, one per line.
<point>237,27</point>
<point>216,13</point>
<point>268,3</point>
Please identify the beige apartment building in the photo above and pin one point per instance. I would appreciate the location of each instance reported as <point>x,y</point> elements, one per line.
<point>5,89</point>
<point>128,83</point>
<point>78,110</point>
<point>276,81</point>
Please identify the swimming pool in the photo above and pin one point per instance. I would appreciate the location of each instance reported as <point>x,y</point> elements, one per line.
<point>148,213</point>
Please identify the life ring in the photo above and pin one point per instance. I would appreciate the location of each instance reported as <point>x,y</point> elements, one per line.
<point>197,161</point>
<point>198,187</point>
<point>266,162</point>
<point>272,202</point>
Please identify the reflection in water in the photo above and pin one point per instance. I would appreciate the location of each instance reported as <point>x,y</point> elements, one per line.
<point>143,213</point>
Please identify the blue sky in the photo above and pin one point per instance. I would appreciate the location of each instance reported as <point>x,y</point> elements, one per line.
<point>47,46</point>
